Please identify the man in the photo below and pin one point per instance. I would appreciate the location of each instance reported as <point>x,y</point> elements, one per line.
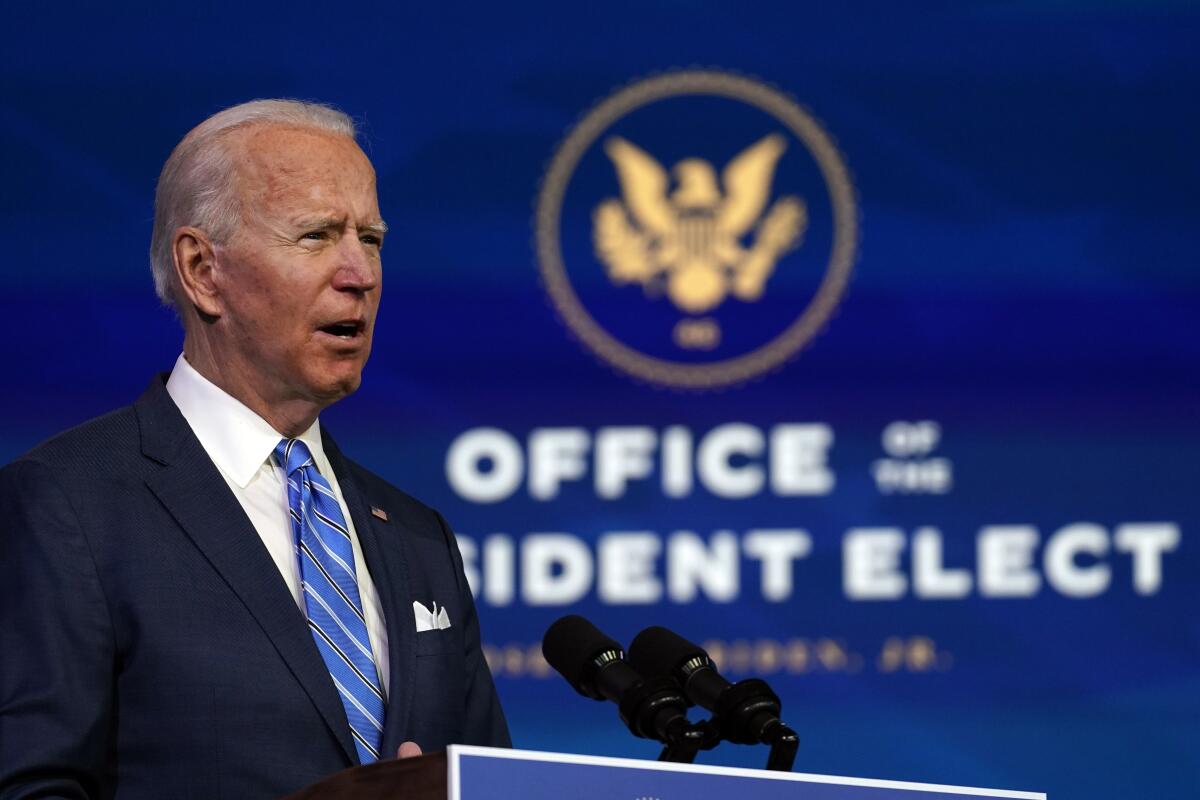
<point>201,596</point>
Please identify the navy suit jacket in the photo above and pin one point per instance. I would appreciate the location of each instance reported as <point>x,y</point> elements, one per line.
<point>149,646</point>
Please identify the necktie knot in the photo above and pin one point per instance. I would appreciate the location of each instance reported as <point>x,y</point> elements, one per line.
<point>292,454</point>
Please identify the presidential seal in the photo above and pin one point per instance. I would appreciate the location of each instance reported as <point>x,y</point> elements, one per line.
<point>696,229</point>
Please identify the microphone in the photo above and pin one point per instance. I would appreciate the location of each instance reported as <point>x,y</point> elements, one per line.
<point>595,666</point>
<point>747,712</point>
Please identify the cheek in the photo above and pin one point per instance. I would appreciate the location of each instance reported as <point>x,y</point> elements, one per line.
<point>374,296</point>
<point>267,317</point>
<point>266,307</point>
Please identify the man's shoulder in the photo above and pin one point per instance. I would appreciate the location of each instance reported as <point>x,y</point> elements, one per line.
<point>128,442</point>
<point>96,460</point>
<point>93,444</point>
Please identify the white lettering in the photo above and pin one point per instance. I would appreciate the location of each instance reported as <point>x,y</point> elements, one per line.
<point>1147,541</point>
<point>555,455</point>
<point>930,578</point>
<point>627,573</point>
<point>465,459</point>
<point>905,439</point>
<point>870,564</point>
<point>717,474</point>
<point>677,461</point>
<point>622,454</point>
<point>1062,571</point>
<point>799,455</point>
<point>556,569</point>
<point>777,549</point>
<point>691,566</point>
<point>498,570</point>
<point>1005,556</point>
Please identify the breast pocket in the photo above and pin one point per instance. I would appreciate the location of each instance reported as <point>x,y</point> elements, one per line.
<point>439,690</point>
<point>433,642</point>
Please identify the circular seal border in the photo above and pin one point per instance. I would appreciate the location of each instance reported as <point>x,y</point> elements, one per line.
<point>756,362</point>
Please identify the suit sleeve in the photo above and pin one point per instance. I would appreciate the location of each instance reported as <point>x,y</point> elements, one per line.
<point>485,723</point>
<point>56,645</point>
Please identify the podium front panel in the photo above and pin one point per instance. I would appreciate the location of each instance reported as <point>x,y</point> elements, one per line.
<point>483,772</point>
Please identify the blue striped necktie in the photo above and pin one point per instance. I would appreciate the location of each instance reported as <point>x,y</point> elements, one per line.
<point>335,614</point>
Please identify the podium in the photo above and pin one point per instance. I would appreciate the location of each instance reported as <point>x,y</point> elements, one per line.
<point>487,773</point>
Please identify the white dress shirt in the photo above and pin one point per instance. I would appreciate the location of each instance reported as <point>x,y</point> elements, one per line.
<point>241,444</point>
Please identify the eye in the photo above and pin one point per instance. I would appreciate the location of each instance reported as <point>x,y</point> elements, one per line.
<point>371,239</point>
<point>315,236</point>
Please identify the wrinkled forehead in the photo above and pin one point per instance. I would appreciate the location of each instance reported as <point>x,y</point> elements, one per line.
<point>282,165</point>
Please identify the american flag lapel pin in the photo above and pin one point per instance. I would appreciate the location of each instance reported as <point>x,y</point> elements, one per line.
<point>379,514</point>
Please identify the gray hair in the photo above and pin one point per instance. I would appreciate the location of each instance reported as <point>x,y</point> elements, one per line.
<point>197,185</point>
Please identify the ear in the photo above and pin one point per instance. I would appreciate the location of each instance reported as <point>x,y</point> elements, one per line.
<point>195,260</point>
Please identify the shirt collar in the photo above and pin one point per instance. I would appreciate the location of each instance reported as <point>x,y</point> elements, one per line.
<point>237,440</point>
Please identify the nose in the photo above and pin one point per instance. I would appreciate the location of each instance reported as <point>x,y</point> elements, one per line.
<point>358,268</point>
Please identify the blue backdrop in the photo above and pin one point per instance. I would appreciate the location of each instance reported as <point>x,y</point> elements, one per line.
<point>1001,590</point>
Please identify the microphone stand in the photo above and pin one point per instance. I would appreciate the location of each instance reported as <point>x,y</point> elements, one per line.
<point>685,741</point>
<point>784,743</point>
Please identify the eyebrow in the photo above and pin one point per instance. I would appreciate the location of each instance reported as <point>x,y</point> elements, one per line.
<point>323,223</point>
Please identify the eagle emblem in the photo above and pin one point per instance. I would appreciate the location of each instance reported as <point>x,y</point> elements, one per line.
<point>689,239</point>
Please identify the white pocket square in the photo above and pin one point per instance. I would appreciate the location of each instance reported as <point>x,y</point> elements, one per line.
<point>435,620</point>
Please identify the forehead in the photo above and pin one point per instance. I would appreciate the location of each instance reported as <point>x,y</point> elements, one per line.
<point>279,166</point>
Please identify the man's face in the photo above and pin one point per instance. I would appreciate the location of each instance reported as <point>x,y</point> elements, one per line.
<point>300,279</point>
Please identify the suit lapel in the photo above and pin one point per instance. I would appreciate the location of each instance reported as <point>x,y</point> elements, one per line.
<point>196,495</point>
<point>383,549</point>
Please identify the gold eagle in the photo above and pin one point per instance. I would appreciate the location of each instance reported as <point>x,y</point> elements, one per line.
<point>689,241</point>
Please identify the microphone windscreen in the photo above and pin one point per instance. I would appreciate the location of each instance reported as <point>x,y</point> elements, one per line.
<point>658,651</point>
<point>571,646</point>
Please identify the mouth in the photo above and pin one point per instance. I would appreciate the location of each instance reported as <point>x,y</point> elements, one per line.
<point>347,330</point>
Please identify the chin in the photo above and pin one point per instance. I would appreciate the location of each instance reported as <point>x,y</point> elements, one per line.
<point>331,388</point>
<point>347,386</point>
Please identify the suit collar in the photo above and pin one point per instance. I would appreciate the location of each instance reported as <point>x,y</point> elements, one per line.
<point>238,440</point>
<point>162,428</point>
<point>196,495</point>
